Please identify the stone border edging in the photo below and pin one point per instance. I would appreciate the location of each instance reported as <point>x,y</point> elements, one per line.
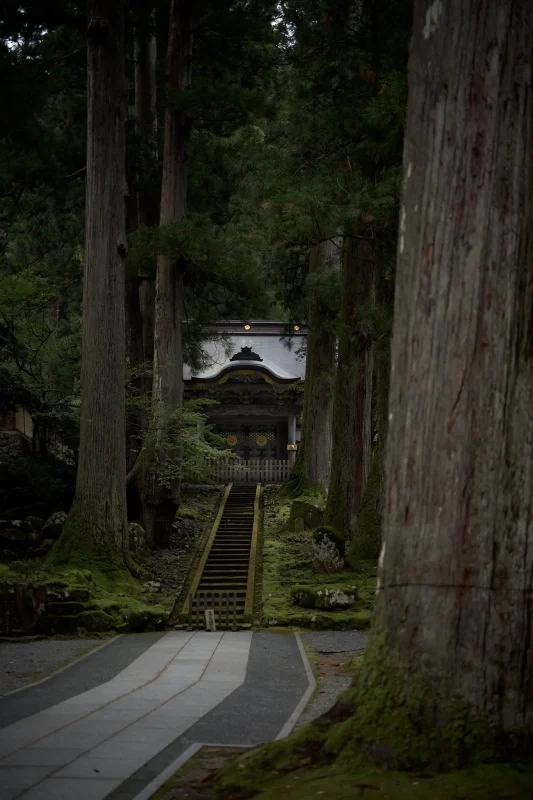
<point>297,713</point>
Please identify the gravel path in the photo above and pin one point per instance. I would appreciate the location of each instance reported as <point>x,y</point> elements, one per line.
<point>337,641</point>
<point>330,689</point>
<point>25,662</point>
<point>345,644</point>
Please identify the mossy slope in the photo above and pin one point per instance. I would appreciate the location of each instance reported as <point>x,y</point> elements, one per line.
<point>286,563</point>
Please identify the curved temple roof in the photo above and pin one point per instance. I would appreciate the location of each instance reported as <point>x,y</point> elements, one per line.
<point>265,341</point>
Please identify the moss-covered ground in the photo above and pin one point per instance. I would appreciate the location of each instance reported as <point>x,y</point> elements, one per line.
<point>92,596</point>
<point>287,563</point>
<point>200,779</point>
<point>485,782</point>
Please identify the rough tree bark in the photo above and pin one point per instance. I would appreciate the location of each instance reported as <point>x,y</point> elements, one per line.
<point>160,503</point>
<point>455,596</point>
<point>314,459</point>
<point>147,197</point>
<point>366,543</point>
<point>142,208</point>
<point>352,413</point>
<point>97,521</point>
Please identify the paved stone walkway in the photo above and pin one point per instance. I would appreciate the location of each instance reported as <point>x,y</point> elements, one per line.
<point>97,743</point>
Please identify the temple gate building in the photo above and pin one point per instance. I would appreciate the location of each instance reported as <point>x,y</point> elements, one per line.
<point>258,388</point>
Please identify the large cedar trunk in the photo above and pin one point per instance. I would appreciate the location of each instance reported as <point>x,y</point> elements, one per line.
<point>159,502</point>
<point>455,595</point>
<point>142,209</point>
<point>147,197</point>
<point>97,521</point>
<point>366,543</point>
<point>352,415</point>
<point>314,460</point>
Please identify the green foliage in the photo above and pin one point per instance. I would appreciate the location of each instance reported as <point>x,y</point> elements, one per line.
<point>34,486</point>
<point>184,436</point>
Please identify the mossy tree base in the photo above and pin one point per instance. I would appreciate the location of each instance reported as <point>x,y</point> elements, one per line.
<point>88,544</point>
<point>386,721</point>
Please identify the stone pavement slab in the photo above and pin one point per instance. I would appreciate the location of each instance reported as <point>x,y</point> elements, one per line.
<point>91,742</point>
<point>95,669</point>
<point>255,712</point>
<point>113,740</point>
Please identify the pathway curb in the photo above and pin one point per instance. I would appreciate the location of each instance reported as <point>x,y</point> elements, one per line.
<point>297,713</point>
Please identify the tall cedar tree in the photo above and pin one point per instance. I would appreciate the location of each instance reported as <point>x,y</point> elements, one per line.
<point>142,209</point>
<point>352,414</point>
<point>97,520</point>
<point>456,577</point>
<point>347,71</point>
<point>147,200</point>
<point>159,502</point>
<point>314,460</point>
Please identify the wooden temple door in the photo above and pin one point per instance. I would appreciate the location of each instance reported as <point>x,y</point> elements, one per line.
<point>252,441</point>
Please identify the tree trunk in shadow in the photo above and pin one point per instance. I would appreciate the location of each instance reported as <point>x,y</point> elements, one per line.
<point>96,529</point>
<point>352,414</point>
<point>313,463</point>
<point>158,500</point>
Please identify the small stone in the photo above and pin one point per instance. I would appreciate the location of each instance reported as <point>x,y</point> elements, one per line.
<point>34,522</point>
<point>137,537</point>
<point>152,587</point>
<point>54,525</point>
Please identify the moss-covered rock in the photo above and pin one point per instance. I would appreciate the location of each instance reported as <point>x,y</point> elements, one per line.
<point>96,621</point>
<point>62,609</point>
<point>303,596</point>
<point>62,625</point>
<point>328,549</point>
<point>150,618</point>
<point>64,592</point>
<point>324,598</point>
<point>54,525</point>
<point>15,534</point>
<point>137,539</point>
<point>315,619</point>
<point>23,605</point>
<point>306,514</point>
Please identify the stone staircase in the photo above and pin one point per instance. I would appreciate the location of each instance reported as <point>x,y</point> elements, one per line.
<point>225,578</point>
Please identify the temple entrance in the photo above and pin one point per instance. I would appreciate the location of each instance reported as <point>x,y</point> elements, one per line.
<point>257,440</point>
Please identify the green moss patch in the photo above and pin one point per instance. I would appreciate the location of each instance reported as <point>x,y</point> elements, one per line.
<point>485,782</point>
<point>88,591</point>
<point>287,557</point>
<point>83,600</point>
<point>323,597</point>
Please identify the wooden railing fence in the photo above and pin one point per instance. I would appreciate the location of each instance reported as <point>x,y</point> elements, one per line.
<point>224,605</point>
<point>254,470</point>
